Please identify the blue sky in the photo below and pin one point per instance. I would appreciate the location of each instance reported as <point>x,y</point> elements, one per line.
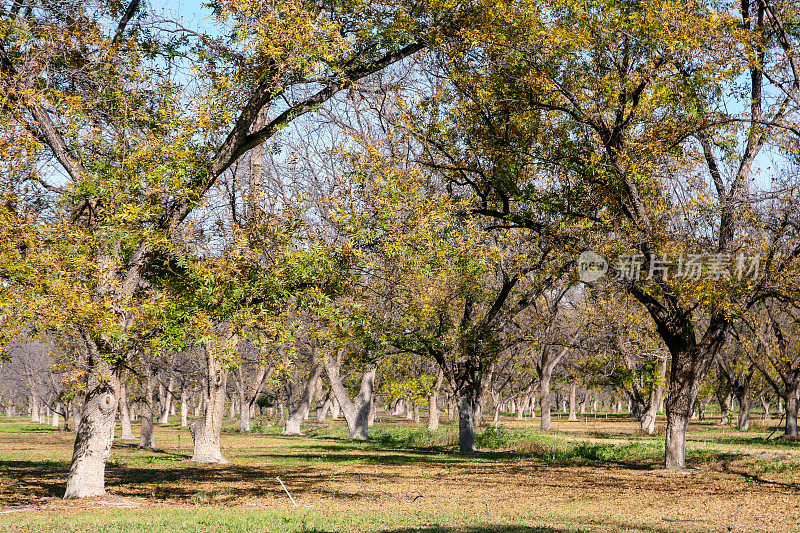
<point>190,12</point>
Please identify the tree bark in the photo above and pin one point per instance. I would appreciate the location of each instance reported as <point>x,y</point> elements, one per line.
<point>373,412</point>
<point>125,413</point>
<point>675,444</point>
<point>167,401</point>
<point>146,437</point>
<point>34,408</point>
<point>743,422</point>
<point>466,426</point>
<point>650,415</point>
<point>690,365</point>
<point>206,430</point>
<point>792,404</point>
<point>545,422</point>
<point>299,411</point>
<point>356,411</point>
<point>324,408</point>
<point>765,401</point>
<point>573,415</point>
<point>95,433</point>
<point>433,402</point>
<point>184,409</point>
<point>56,422</point>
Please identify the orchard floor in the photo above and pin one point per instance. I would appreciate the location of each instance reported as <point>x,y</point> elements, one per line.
<point>598,474</point>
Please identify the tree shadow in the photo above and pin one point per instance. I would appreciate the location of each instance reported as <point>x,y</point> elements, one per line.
<point>496,528</point>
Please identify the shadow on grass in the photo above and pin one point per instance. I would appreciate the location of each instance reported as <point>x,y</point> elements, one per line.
<point>506,528</point>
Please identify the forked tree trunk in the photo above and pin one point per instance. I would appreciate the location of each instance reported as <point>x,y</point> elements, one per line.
<point>573,415</point>
<point>650,415</point>
<point>324,408</point>
<point>95,433</point>
<point>300,410</point>
<point>743,422</point>
<point>125,414</point>
<point>725,405</point>
<point>146,437</point>
<point>336,409</point>
<point>206,430</point>
<point>433,403</point>
<point>765,401</point>
<point>356,411</point>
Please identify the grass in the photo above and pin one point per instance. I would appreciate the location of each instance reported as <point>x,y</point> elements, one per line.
<point>597,474</point>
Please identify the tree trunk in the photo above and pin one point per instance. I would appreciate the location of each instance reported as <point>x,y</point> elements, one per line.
<point>688,371</point>
<point>544,401</point>
<point>373,412</point>
<point>244,414</point>
<point>648,420</point>
<point>725,408</point>
<point>299,411</point>
<point>356,411</point>
<point>95,433</point>
<point>184,409</point>
<point>167,401</point>
<point>433,403</point>
<point>466,427</point>
<point>322,411</point>
<point>743,423</point>
<point>573,415</point>
<point>34,408</point>
<point>765,401</point>
<point>206,430</point>
<point>146,438</point>
<point>791,414</point>
<point>56,421</point>
<point>675,444</point>
<point>336,409</point>
<point>125,414</point>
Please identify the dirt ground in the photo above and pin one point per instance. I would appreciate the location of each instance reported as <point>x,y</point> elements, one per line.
<point>594,475</point>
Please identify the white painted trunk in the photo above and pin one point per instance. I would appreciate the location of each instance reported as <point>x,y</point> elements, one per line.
<point>184,410</point>
<point>125,414</point>
<point>206,431</point>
